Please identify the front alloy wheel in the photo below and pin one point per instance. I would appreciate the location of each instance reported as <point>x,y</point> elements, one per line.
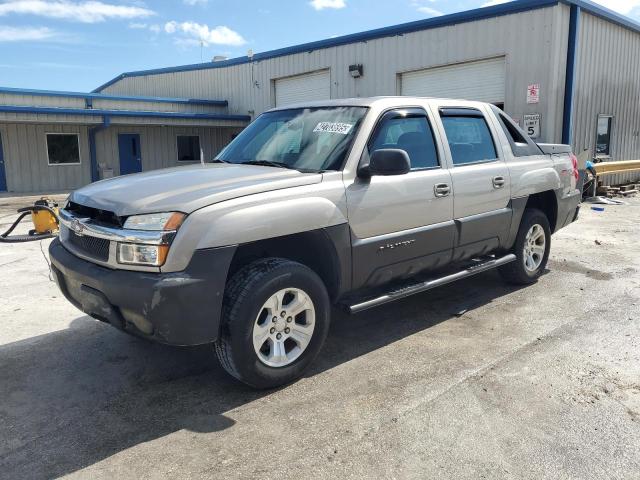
<point>284,327</point>
<point>275,318</point>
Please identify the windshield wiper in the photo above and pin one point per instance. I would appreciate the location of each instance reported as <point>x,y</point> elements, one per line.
<point>269,163</point>
<point>218,160</point>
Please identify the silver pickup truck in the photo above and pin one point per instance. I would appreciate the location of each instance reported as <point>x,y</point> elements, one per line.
<point>355,202</point>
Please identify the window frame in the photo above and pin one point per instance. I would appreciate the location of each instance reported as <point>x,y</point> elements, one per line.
<point>473,113</point>
<point>178,135</point>
<point>46,148</point>
<point>415,111</point>
<point>595,142</point>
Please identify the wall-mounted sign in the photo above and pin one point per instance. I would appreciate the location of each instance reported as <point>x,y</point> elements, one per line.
<point>532,124</point>
<point>533,93</point>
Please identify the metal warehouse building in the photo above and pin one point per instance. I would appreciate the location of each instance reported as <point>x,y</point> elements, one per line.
<point>566,70</point>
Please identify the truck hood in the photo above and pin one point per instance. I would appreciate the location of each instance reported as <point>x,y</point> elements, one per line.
<point>186,189</point>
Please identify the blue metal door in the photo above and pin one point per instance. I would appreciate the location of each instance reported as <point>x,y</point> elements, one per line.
<point>129,149</point>
<point>3,177</point>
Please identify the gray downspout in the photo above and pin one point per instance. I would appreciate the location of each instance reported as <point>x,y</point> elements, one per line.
<point>95,174</point>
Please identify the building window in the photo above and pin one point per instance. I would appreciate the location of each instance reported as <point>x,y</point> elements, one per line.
<point>63,148</point>
<point>603,136</point>
<point>188,148</point>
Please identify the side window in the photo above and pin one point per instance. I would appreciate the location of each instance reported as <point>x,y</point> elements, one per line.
<point>468,134</point>
<point>412,134</point>
<point>521,144</point>
<point>603,136</point>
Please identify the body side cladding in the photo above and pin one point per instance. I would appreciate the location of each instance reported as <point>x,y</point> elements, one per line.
<point>482,233</point>
<point>518,206</point>
<point>381,259</point>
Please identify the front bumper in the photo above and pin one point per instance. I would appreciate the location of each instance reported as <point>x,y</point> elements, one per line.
<point>181,308</point>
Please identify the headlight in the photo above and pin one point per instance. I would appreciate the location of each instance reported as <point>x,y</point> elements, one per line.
<point>146,255</point>
<point>155,221</point>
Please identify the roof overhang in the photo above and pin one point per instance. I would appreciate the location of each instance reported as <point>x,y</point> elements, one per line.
<point>126,116</point>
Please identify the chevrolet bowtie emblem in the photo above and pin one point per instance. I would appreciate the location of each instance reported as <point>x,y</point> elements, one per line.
<point>76,226</point>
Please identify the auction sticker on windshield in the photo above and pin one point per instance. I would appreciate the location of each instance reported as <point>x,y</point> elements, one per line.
<point>333,127</point>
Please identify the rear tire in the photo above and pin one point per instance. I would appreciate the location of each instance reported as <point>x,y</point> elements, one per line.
<point>275,319</point>
<point>531,249</point>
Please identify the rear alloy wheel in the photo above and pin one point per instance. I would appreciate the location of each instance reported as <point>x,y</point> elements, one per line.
<point>275,318</point>
<point>531,249</point>
<point>534,248</point>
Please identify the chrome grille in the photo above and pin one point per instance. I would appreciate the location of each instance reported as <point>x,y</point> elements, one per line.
<point>97,248</point>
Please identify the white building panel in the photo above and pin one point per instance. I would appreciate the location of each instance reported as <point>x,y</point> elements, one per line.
<point>303,88</point>
<point>481,81</point>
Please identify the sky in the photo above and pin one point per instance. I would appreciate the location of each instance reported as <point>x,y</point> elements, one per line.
<point>77,45</point>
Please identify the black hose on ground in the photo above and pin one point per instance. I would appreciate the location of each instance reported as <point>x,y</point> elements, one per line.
<point>33,235</point>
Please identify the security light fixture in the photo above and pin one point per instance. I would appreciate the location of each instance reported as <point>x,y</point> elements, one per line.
<point>355,70</point>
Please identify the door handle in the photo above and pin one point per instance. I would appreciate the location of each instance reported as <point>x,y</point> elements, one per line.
<point>498,182</point>
<point>441,189</point>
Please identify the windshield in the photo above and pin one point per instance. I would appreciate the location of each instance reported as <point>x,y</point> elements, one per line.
<point>309,139</point>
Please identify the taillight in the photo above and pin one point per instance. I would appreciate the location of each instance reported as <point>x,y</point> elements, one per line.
<point>574,164</point>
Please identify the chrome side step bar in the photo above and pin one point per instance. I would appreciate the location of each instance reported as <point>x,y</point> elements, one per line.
<point>429,284</point>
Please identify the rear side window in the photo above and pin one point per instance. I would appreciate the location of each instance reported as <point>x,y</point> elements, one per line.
<point>412,134</point>
<point>469,138</point>
<point>521,144</point>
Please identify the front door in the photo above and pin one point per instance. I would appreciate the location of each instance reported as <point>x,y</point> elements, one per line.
<point>401,224</point>
<point>3,177</point>
<point>481,182</point>
<point>129,149</point>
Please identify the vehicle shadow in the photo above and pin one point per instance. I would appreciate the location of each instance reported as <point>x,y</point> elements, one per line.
<point>75,397</point>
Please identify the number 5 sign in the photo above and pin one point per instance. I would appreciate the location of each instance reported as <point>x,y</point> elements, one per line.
<point>532,124</point>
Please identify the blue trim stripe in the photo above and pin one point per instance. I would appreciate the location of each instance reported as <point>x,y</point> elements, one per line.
<point>567,115</point>
<point>446,20</point>
<point>452,19</point>
<point>121,113</point>
<point>100,96</point>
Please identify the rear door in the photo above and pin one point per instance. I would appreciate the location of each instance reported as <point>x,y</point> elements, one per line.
<point>480,177</point>
<point>129,151</point>
<point>404,223</point>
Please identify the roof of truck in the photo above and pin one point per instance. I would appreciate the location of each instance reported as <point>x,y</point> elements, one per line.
<point>387,101</point>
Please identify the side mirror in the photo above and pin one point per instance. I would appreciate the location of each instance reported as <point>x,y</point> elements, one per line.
<point>387,161</point>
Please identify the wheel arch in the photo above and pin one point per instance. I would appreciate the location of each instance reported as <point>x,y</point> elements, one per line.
<point>326,251</point>
<point>546,202</point>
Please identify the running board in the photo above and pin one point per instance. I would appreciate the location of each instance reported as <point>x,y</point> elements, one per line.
<point>429,284</point>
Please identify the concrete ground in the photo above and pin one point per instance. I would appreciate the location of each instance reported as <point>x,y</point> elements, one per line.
<point>541,382</point>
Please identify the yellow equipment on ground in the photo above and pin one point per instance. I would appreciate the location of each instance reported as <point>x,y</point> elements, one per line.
<point>44,215</point>
<point>46,220</point>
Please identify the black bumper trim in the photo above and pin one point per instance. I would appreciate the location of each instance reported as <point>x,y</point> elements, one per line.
<point>181,308</point>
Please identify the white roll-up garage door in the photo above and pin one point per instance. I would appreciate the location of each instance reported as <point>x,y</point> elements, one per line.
<point>303,88</point>
<point>482,81</point>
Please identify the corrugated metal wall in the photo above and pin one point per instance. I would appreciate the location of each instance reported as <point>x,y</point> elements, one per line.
<point>534,43</point>
<point>158,145</point>
<point>607,82</point>
<point>25,158</point>
<point>25,152</point>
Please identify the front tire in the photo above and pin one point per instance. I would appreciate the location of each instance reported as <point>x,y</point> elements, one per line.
<point>531,249</point>
<point>275,319</point>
